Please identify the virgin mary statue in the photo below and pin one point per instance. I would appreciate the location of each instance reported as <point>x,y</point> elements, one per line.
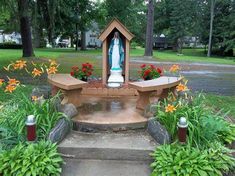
<point>116,53</point>
<point>116,58</point>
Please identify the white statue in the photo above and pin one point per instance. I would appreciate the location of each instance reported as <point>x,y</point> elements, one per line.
<point>116,59</point>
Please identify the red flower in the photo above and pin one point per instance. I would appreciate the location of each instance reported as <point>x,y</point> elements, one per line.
<point>72,73</point>
<point>146,72</point>
<point>84,69</point>
<point>159,70</point>
<point>143,66</point>
<point>152,66</point>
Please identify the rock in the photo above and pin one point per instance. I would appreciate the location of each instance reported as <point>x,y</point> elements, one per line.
<point>44,91</point>
<point>150,110</point>
<point>158,132</point>
<point>69,110</point>
<point>59,132</point>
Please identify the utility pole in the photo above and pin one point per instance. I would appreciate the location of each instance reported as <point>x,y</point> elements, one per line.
<point>211,28</point>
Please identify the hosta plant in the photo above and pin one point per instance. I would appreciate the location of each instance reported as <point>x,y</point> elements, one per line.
<point>185,161</point>
<point>31,160</point>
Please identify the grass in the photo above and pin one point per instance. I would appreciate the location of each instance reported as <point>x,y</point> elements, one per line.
<point>218,102</point>
<point>189,55</point>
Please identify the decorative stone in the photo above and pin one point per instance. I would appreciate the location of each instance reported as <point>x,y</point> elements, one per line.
<point>44,91</point>
<point>59,132</point>
<point>158,132</point>
<point>150,110</point>
<point>69,110</point>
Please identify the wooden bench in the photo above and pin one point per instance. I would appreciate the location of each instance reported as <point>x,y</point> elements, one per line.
<point>70,87</point>
<point>157,88</point>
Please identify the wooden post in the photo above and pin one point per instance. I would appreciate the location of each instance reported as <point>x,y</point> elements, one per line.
<point>104,62</point>
<point>127,61</point>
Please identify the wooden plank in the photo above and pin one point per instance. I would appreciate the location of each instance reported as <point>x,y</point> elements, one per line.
<point>115,23</point>
<point>127,62</point>
<point>104,62</point>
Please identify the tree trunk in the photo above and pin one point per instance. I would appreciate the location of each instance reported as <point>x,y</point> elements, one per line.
<point>211,28</point>
<point>25,29</point>
<point>149,30</point>
<point>83,40</point>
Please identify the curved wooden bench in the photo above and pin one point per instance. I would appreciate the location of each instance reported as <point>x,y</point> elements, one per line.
<point>160,87</point>
<point>70,87</point>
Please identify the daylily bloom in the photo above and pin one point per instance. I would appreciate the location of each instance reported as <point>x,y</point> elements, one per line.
<point>181,88</point>
<point>34,98</point>
<point>13,82</point>
<point>170,108</point>
<point>36,72</point>
<point>52,70</point>
<point>10,88</point>
<point>174,68</point>
<point>52,62</point>
<point>1,82</point>
<point>20,64</point>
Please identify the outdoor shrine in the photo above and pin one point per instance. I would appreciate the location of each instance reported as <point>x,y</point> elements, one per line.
<point>115,54</point>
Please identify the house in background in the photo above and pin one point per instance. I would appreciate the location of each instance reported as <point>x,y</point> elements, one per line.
<point>14,37</point>
<point>92,35</point>
<point>161,42</point>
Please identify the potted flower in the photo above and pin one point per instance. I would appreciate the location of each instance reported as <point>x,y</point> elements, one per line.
<point>150,72</point>
<point>82,73</point>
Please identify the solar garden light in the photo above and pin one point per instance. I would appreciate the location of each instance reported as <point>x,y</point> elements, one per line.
<point>31,128</point>
<point>182,129</point>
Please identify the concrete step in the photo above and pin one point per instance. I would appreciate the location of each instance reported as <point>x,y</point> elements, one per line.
<point>132,146</point>
<point>85,167</point>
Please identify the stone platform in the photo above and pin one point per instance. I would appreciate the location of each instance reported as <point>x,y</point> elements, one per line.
<point>107,154</point>
<point>109,113</point>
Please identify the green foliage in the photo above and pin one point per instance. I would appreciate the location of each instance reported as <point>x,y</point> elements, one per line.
<point>13,116</point>
<point>204,126</point>
<point>183,161</point>
<point>31,159</point>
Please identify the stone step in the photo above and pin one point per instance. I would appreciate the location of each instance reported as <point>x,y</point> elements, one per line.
<point>85,167</point>
<point>132,146</point>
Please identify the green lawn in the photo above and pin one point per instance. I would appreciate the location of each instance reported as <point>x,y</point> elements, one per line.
<point>217,102</point>
<point>189,55</point>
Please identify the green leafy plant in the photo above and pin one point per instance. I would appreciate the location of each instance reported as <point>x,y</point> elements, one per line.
<point>183,161</point>
<point>31,160</point>
<point>204,126</point>
<point>14,113</point>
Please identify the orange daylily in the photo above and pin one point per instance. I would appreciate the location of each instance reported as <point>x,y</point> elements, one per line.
<point>34,98</point>
<point>36,72</point>
<point>20,64</point>
<point>181,88</point>
<point>13,82</point>
<point>174,68</point>
<point>170,108</point>
<point>52,62</point>
<point>10,88</point>
<point>1,82</point>
<point>52,70</point>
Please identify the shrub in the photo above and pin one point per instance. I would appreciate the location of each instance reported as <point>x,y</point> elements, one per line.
<point>181,161</point>
<point>31,159</point>
<point>10,46</point>
<point>204,126</point>
<point>13,116</point>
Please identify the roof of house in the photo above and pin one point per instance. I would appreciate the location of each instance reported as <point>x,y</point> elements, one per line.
<point>115,23</point>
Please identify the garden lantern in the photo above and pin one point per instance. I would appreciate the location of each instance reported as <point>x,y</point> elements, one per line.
<point>31,128</point>
<point>182,129</point>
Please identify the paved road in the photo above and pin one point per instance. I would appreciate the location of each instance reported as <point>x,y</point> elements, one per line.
<point>212,78</point>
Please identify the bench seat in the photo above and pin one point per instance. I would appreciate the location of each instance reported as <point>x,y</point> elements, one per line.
<point>69,86</point>
<point>158,88</point>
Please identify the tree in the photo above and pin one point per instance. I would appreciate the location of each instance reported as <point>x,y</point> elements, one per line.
<point>149,29</point>
<point>211,27</point>
<point>25,29</point>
